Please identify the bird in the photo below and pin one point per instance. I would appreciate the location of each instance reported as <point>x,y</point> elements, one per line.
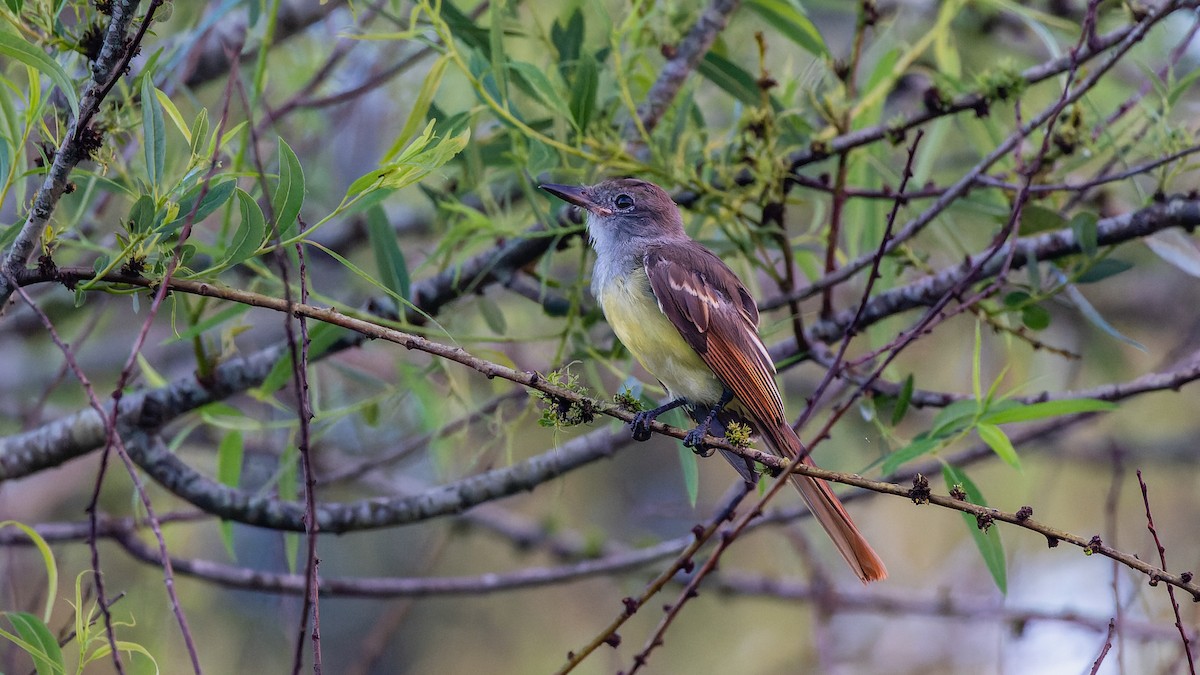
<point>689,320</point>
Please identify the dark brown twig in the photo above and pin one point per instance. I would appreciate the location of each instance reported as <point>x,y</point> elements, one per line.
<point>1162,559</point>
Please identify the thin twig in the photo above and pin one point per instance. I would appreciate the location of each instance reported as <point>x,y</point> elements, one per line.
<point>1162,558</point>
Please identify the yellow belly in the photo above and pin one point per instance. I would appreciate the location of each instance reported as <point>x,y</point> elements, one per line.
<point>633,313</point>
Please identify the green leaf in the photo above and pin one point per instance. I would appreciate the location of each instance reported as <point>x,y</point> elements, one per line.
<point>168,107</point>
<point>999,442</point>
<point>583,92</point>
<point>149,374</point>
<point>788,17</point>
<point>882,79</point>
<point>691,474</point>
<point>42,648</point>
<point>217,195</point>
<point>496,47</point>
<point>226,314</point>
<point>6,157</point>
<point>289,489</point>
<point>1036,219</point>
<point>154,133</point>
<point>731,78</point>
<point>15,5</point>
<point>321,337</point>
<point>141,215</point>
<point>1177,248</point>
<point>1016,299</point>
<point>433,80</point>
<point>1178,88</point>
<point>18,48</point>
<point>389,259</point>
<point>229,473</point>
<point>921,445</point>
<point>288,195</point>
<point>252,233</point>
<point>465,29</point>
<point>988,543</point>
<point>418,160</point>
<point>543,88</point>
<point>48,563</point>
<point>902,401</point>
<point>1035,317</point>
<point>493,316</point>
<point>567,38</point>
<point>1093,315</point>
<point>1084,227</point>
<point>945,51</point>
<point>1037,411</point>
<point>198,131</point>
<point>954,418</point>
<point>1103,269</point>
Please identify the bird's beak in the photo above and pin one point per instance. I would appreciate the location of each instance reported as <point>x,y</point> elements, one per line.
<point>576,195</point>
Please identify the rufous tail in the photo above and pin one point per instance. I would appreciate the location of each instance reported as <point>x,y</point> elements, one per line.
<point>827,509</point>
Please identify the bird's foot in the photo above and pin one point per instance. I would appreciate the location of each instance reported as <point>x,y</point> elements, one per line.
<point>642,421</point>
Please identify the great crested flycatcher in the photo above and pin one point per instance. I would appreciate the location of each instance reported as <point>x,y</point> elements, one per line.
<point>689,320</point>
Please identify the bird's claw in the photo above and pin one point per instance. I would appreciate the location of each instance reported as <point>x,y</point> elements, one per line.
<point>694,439</point>
<point>641,426</point>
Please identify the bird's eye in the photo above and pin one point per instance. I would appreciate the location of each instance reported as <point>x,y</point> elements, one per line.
<point>624,202</point>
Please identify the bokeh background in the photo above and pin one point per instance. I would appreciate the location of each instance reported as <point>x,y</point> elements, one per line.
<point>548,90</point>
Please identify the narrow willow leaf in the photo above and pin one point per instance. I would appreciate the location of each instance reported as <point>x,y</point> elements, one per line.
<point>289,489</point>
<point>493,316</point>
<point>414,163</point>
<point>141,215</point>
<point>583,92</point>
<point>543,88</point>
<point>730,77</point>
<point>250,235</point>
<point>1093,315</point>
<point>988,543</point>
<point>1036,219</point>
<point>389,259</point>
<point>232,311</point>
<point>902,401</point>
<point>48,564</point>
<point>1038,411</point>
<point>465,29</point>
<point>690,467</point>
<point>1103,269</point>
<point>787,16</point>
<point>567,39</point>
<point>945,49</point>
<point>229,473</point>
<point>1177,248</point>
<point>433,80</point>
<point>151,375</point>
<point>199,131</point>
<point>496,47</point>
<point>154,133</point>
<point>1084,226</point>
<point>40,644</point>
<point>288,196</point>
<point>921,446</point>
<point>321,337</point>
<point>999,442</point>
<point>168,106</point>
<point>217,195</point>
<point>18,48</point>
<point>6,157</point>
<point>953,418</point>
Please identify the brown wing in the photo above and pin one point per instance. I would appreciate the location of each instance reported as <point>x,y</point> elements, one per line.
<point>714,313</point>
